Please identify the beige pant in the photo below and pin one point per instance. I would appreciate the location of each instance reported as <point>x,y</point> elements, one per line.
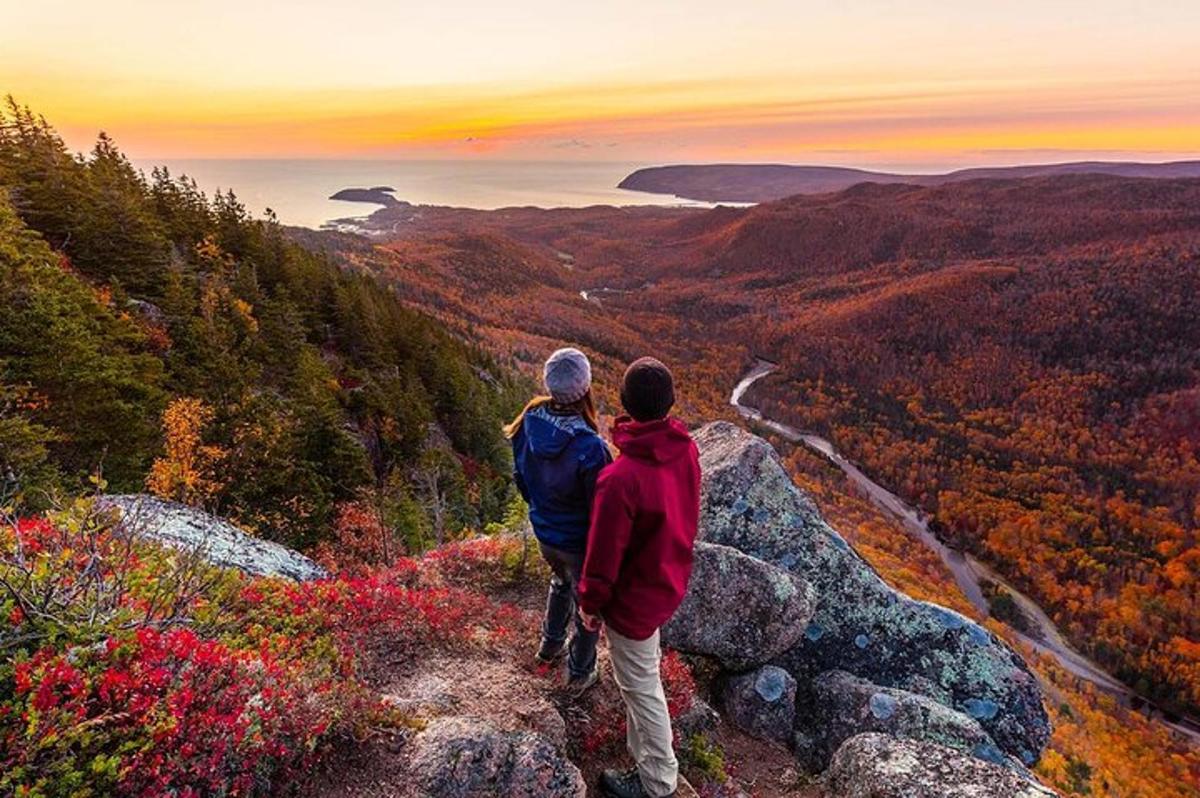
<point>635,670</point>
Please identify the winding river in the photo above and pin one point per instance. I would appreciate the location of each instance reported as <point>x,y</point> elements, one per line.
<point>969,573</point>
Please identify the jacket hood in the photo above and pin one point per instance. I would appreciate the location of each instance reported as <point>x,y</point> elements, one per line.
<point>549,433</point>
<point>658,441</point>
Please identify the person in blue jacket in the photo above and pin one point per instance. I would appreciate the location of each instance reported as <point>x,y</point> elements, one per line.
<point>557,455</point>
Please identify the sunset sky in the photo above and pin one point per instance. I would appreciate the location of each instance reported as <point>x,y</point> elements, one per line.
<point>917,83</point>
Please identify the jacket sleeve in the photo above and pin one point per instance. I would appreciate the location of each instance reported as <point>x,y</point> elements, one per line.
<point>608,538</point>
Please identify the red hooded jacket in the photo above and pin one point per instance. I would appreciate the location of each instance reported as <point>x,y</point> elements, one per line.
<point>643,528</point>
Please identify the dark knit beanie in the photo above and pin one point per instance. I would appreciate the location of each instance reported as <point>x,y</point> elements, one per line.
<point>648,390</point>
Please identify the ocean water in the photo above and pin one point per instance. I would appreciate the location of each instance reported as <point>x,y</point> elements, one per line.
<point>298,190</point>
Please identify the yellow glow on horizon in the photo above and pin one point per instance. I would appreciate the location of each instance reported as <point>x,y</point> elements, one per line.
<point>763,79</point>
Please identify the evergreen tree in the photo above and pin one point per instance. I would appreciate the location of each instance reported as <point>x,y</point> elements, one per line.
<point>317,384</point>
<point>120,237</point>
<point>98,390</point>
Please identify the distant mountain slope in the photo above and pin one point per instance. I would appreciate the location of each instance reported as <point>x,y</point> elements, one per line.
<point>766,182</point>
<point>1018,357</point>
<point>870,224</point>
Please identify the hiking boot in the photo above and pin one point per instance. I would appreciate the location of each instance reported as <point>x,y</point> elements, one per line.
<point>578,685</point>
<point>623,784</point>
<point>549,654</point>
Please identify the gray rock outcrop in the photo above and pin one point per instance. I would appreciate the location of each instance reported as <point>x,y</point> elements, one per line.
<point>762,703</point>
<point>842,706</point>
<point>213,538</point>
<point>738,609</point>
<point>463,757</point>
<point>881,766</point>
<point>861,625</point>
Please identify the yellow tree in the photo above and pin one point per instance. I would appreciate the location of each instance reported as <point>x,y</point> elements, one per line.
<point>187,471</point>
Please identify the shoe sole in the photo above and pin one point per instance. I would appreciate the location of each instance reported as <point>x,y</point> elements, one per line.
<point>578,689</point>
<point>683,789</point>
<point>553,659</point>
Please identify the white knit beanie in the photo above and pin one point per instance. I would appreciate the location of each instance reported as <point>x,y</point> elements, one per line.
<point>568,375</point>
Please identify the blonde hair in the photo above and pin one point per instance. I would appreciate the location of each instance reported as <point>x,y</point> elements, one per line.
<point>584,406</point>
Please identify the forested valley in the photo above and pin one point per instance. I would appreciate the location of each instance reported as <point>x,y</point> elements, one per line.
<point>1019,358</point>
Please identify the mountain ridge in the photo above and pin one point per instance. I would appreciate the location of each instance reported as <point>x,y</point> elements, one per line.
<point>766,182</point>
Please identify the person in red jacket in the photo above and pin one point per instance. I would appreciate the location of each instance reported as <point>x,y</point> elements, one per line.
<point>639,558</point>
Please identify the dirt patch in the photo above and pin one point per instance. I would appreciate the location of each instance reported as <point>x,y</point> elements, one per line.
<point>509,697</point>
<point>763,769</point>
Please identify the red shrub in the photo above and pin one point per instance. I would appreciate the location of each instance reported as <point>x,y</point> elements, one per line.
<point>139,683</point>
<point>161,712</point>
<point>484,561</point>
<point>678,683</point>
<point>361,541</point>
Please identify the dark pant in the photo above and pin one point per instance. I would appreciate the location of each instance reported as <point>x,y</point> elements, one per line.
<point>561,605</point>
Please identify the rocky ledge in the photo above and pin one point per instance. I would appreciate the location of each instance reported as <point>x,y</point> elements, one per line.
<point>462,757</point>
<point>817,650</point>
<point>219,541</point>
<point>881,766</point>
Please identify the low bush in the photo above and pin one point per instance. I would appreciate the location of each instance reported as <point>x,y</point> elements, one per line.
<point>707,757</point>
<point>488,562</point>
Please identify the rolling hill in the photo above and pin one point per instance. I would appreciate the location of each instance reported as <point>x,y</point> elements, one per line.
<point>1018,357</point>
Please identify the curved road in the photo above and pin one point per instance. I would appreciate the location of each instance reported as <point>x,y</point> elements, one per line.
<point>969,573</point>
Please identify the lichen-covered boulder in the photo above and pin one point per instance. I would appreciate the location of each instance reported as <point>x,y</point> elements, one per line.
<point>462,757</point>
<point>881,766</point>
<point>861,625</point>
<point>762,703</point>
<point>738,609</point>
<point>217,540</point>
<point>840,706</point>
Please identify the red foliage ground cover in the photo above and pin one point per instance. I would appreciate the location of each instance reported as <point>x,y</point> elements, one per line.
<point>107,689</point>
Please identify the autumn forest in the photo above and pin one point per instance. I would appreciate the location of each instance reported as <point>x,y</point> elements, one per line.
<point>1018,358</point>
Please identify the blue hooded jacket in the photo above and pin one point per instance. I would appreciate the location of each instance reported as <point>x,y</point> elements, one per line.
<point>556,461</point>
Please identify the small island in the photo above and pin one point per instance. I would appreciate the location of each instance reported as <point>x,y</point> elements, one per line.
<point>377,195</point>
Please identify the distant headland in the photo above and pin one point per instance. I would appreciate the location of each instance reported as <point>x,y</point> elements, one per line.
<point>767,182</point>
